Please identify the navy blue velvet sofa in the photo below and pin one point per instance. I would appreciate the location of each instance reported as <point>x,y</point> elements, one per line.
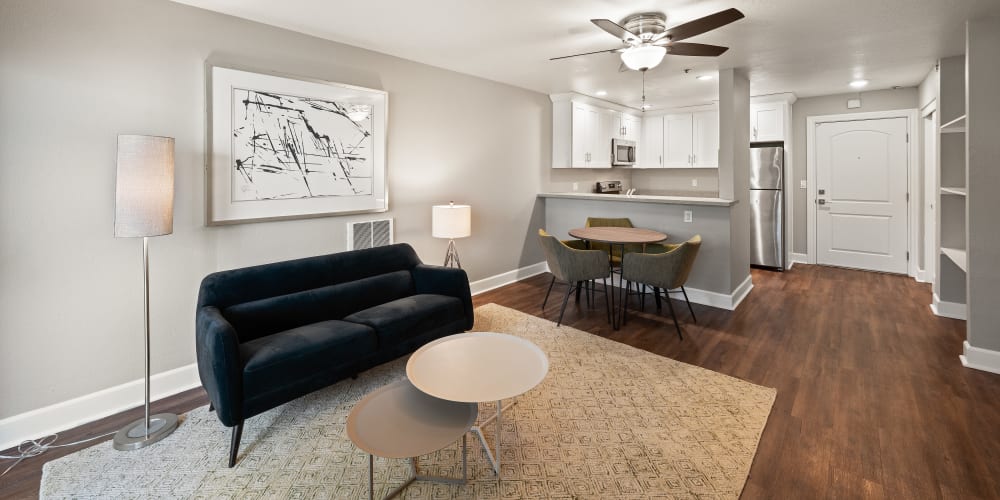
<point>268,334</point>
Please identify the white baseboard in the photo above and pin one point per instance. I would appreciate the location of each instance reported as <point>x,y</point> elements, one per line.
<point>980,359</point>
<point>78,411</point>
<point>499,280</point>
<point>944,309</point>
<point>797,258</point>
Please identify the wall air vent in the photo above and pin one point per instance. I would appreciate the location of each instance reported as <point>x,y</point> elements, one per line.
<point>369,234</point>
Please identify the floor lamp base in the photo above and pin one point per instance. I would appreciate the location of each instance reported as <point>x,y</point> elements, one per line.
<point>134,435</point>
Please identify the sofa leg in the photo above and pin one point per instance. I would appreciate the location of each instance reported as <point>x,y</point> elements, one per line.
<point>211,407</point>
<point>354,377</point>
<point>234,446</point>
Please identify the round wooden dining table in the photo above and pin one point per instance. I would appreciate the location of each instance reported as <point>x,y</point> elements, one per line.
<point>620,236</point>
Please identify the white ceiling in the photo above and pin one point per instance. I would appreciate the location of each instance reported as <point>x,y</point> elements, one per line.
<point>809,47</point>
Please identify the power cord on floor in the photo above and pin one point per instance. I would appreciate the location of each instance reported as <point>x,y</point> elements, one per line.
<point>34,447</point>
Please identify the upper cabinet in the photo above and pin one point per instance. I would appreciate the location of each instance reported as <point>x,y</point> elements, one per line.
<point>680,140</point>
<point>582,132</point>
<point>767,121</point>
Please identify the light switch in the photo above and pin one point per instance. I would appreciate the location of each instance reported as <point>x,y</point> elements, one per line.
<point>803,184</point>
<point>575,186</point>
<point>688,216</point>
<point>694,182</point>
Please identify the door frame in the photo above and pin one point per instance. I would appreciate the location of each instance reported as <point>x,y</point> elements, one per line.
<point>930,264</point>
<point>912,120</point>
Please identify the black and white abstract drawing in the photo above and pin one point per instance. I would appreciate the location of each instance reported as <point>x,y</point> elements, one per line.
<point>287,146</point>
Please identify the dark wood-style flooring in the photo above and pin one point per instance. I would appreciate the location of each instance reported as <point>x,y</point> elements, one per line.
<point>872,401</point>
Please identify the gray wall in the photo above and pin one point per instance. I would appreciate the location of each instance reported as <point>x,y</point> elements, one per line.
<point>734,167</point>
<point>711,268</point>
<point>877,100</point>
<point>983,204</point>
<point>75,74</point>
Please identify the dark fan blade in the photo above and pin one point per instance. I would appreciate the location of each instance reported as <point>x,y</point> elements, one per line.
<point>695,49</point>
<point>586,54</point>
<point>705,24</point>
<point>616,30</point>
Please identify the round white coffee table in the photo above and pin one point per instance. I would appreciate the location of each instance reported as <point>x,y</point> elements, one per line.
<point>478,367</point>
<point>399,421</point>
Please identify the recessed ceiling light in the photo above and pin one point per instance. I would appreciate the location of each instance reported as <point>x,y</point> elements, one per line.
<point>601,93</point>
<point>705,77</point>
<point>859,83</point>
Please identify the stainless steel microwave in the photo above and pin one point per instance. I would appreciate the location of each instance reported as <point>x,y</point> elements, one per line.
<point>622,153</point>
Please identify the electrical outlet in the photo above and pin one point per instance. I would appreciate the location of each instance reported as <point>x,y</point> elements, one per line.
<point>575,186</point>
<point>688,216</point>
<point>803,184</point>
<point>694,182</point>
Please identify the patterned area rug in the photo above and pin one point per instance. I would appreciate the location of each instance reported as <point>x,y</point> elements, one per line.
<point>609,421</point>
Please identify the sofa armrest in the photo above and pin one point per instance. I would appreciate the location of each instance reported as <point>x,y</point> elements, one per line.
<point>219,364</point>
<point>445,281</point>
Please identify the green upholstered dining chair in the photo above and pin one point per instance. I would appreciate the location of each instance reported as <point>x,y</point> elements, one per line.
<point>574,267</point>
<point>668,271</point>
<point>616,256</point>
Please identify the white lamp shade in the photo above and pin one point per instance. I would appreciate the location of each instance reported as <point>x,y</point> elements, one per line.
<point>144,186</point>
<point>643,57</point>
<point>451,221</point>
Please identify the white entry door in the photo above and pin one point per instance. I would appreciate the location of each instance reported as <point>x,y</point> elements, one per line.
<point>861,185</point>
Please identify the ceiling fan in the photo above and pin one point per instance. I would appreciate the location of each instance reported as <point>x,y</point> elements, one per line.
<point>647,38</point>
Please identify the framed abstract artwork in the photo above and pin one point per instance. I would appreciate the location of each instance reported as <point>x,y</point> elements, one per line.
<point>286,148</point>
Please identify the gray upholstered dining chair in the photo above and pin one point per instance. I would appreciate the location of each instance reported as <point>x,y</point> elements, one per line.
<point>573,267</point>
<point>668,271</point>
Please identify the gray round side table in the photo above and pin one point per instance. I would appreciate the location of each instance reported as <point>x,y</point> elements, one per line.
<point>400,421</point>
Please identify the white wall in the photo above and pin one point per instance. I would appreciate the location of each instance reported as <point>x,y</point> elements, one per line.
<point>876,100</point>
<point>75,74</point>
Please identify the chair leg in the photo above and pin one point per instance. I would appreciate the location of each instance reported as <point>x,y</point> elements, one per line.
<point>234,446</point>
<point>656,295</point>
<point>642,297</point>
<point>689,304</point>
<point>607,300</point>
<point>553,282</point>
<point>578,284</point>
<point>569,291</point>
<point>672,315</point>
<point>628,289</point>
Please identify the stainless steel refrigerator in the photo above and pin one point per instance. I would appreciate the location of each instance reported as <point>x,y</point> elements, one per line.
<point>767,205</point>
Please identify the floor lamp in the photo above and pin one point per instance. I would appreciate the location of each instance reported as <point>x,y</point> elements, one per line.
<point>451,221</point>
<point>144,206</point>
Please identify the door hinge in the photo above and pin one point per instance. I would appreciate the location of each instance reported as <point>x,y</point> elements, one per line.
<point>907,196</point>
<point>907,137</point>
<point>907,256</point>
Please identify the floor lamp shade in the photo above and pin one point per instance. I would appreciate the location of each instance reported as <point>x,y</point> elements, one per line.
<point>451,221</point>
<point>144,186</point>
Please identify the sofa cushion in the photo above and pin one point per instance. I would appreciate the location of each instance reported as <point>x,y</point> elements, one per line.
<point>396,321</point>
<point>262,317</point>
<point>276,361</point>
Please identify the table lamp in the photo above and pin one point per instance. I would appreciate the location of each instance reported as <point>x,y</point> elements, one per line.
<point>451,221</point>
<point>144,206</point>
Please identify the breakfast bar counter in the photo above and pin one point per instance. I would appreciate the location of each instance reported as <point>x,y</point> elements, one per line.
<point>640,198</point>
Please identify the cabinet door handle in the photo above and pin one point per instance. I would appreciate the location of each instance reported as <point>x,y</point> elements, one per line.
<point>694,159</point>
<point>660,159</point>
<point>755,132</point>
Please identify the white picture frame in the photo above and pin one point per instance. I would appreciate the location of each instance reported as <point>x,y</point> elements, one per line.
<point>289,148</point>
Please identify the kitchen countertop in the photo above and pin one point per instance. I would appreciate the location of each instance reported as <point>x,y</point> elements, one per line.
<point>640,198</point>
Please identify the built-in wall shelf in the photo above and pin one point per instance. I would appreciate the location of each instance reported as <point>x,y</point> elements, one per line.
<point>956,255</point>
<point>953,191</point>
<point>955,126</point>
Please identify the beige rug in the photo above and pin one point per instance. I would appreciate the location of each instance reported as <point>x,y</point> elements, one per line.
<point>609,421</point>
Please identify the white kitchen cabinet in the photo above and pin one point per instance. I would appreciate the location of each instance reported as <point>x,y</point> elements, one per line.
<point>581,134</point>
<point>678,136</point>
<point>705,141</point>
<point>767,121</point>
<point>680,140</point>
<point>651,145</point>
<point>626,126</point>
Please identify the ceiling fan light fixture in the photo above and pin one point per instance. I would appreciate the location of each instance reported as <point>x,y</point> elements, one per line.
<point>643,57</point>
